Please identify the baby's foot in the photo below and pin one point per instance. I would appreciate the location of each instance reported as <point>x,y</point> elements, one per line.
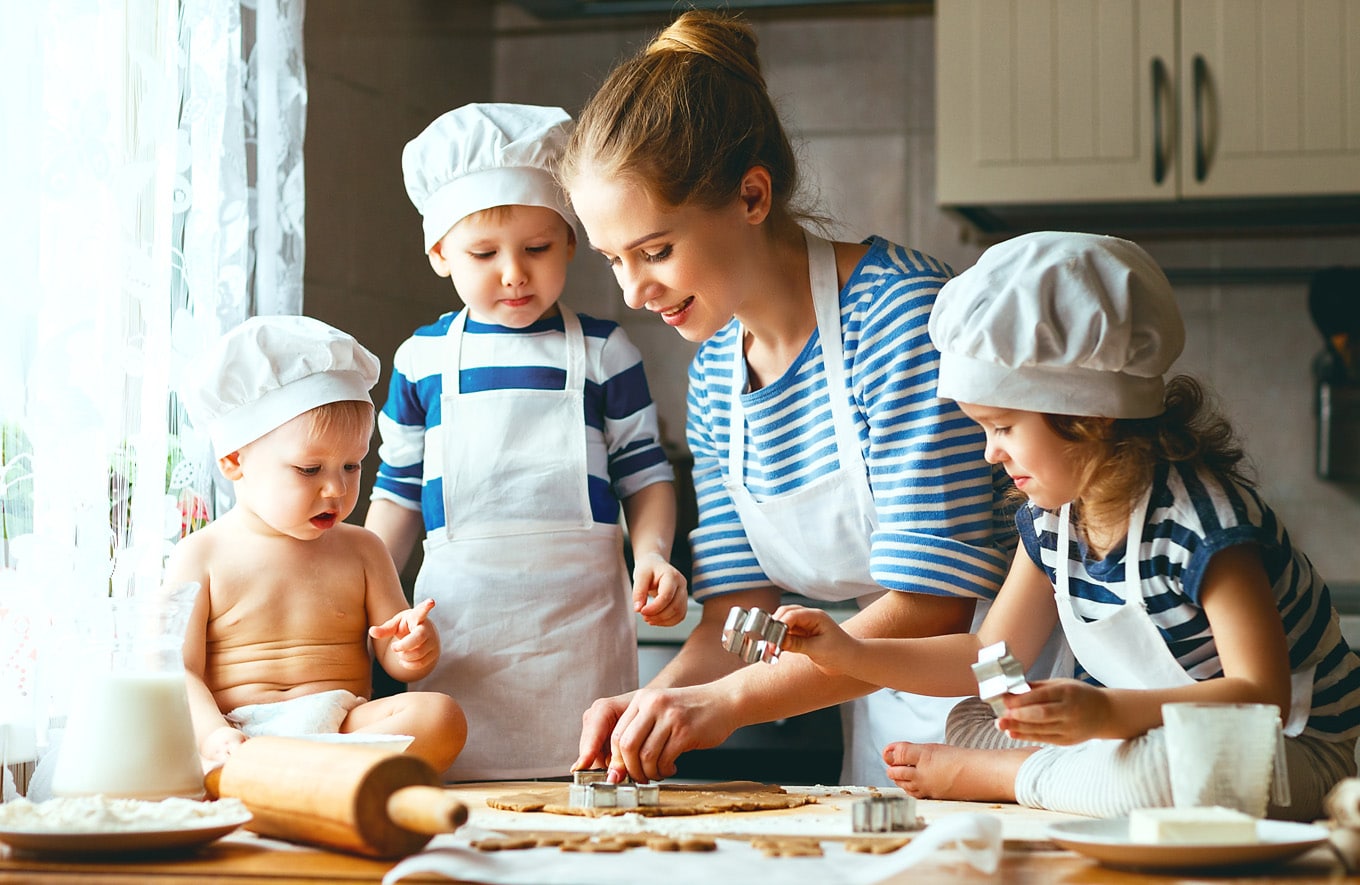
<point>939,771</point>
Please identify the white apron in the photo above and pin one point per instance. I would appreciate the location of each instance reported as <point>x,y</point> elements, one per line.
<point>532,596</point>
<point>1126,650</point>
<point>815,540</point>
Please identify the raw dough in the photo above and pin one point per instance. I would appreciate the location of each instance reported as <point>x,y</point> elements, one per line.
<point>676,799</point>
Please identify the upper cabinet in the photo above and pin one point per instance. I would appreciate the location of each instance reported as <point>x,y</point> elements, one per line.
<point>1146,101</point>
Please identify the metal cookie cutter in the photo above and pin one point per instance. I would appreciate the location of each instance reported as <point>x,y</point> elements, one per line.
<point>998,673</point>
<point>590,776</point>
<point>753,635</point>
<point>602,795</point>
<point>884,814</point>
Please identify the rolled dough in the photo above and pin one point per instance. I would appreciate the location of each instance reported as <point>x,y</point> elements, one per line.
<point>676,799</point>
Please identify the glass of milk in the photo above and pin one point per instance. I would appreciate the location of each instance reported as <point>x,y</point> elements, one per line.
<point>129,733</point>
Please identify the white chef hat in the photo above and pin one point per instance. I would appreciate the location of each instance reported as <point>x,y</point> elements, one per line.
<point>483,155</point>
<point>267,371</point>
<point>1061,323</point>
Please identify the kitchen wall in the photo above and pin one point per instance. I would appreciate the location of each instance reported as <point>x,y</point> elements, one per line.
<point>857,93</point>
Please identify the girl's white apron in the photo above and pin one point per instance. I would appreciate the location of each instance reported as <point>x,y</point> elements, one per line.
<point>1126,650</point>
<point>532,596</point>
<point>815,541</point>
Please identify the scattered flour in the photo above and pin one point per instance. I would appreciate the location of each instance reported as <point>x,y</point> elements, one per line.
<point>98,814</point>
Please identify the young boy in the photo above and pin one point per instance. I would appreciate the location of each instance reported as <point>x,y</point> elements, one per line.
<point>516,428</point>
<point>278,642</point>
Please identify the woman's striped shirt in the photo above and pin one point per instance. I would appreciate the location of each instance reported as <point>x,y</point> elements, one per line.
<point>942,526</point>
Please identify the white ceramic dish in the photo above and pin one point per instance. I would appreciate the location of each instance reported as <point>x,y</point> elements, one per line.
<point>392,743</point>
<point>1107,841</point>
<point>155,841</point>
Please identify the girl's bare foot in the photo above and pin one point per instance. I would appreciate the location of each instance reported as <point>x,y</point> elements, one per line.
<point>939,771</point>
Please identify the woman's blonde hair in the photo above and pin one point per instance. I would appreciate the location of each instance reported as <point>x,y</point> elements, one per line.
<point>686,118</point>
<point>1117,458</point>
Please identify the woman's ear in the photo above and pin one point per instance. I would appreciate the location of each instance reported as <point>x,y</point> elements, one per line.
<point>756,193</point>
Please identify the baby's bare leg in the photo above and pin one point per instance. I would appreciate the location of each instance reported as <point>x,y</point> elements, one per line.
<point>939,771</point>
<point>434,719</point>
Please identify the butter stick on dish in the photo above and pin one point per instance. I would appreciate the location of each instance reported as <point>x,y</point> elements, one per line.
<point>1212,825</point>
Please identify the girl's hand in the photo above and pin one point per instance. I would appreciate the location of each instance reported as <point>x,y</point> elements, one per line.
<point>814,633</point>
<point>654,576</point>
<point>414,640</point>
<point>1058,711</point>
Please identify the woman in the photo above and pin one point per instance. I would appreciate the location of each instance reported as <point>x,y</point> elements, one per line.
<point>848,479</point>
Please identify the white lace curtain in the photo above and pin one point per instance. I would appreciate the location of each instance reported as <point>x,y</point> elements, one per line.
<point>151,167</point>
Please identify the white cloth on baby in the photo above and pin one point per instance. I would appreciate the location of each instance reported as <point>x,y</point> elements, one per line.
<point>320,713</point>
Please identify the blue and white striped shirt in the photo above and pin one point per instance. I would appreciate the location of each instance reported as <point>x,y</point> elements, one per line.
<point>943,527</point>
<point>1192,516</point>
<point>623,447</point>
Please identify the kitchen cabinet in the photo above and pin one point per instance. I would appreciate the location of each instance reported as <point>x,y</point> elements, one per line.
<point>1146,101</point>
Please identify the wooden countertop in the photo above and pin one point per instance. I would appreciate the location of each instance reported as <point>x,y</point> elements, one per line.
<point>244,859</point>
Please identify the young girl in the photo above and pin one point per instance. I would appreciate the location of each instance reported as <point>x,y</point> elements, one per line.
<point>1056,345</point>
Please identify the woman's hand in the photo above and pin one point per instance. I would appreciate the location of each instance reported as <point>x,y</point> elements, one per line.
<point>650,731</point>
<point>1059,711</point>
<point>654,576</point>
<point>814,633</point>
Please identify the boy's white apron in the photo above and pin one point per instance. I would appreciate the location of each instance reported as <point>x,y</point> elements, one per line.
<point>815,540</point>
<point>1126,650</point>
<point>531,594</point>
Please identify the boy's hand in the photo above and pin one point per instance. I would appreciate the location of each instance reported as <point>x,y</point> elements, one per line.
<point>815,633</point>
<point>1058,711</point>
<point>414,640</point>
<point>654,576</point>
<point>219,744</point>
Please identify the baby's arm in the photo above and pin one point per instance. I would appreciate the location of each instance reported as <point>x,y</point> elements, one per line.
<point>650,512</point>
<point>404,640</point>
<point>398,527</point>
<point>216,736</point>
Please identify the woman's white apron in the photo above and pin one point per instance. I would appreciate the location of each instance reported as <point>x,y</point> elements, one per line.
<point>815,541</point>
<point>1126,650</point>
<point>532,596</point>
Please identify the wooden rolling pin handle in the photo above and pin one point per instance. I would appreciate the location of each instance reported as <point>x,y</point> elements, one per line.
<point>427,810</point>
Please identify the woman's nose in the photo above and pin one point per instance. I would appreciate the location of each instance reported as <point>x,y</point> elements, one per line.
<point>634,288</point>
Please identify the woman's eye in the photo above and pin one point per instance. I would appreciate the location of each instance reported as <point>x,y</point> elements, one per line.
<point>610,260</point>
<point>653,257</point>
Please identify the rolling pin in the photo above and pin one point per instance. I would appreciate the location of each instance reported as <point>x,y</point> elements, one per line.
<point>355,799</point>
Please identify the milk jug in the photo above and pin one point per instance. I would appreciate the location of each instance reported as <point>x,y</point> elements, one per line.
<point>129,733</point>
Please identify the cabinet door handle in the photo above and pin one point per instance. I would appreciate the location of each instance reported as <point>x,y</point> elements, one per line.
<point>1201,79</point>
<point>1159,147</point>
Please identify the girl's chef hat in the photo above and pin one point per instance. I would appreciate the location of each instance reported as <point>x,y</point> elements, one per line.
<point>267,371</point>
<point>1061,323</point>
<point>483,155</point>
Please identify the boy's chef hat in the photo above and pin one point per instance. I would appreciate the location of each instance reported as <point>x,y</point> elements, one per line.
<point>483,155</point>
<point>267,371</point>
<point>1060,323</point>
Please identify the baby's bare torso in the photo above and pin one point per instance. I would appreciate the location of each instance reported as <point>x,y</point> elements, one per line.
<point>287,618</point>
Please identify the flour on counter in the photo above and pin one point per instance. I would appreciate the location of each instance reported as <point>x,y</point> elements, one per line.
<point>98,814</point>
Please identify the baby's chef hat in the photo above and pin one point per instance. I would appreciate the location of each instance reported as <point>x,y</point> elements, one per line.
<point>1061,323</point>
<point>483,155</point>
<point>267,371</point>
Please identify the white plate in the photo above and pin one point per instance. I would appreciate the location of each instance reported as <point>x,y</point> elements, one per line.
<point>180,838</point>
<point>1107,841</point>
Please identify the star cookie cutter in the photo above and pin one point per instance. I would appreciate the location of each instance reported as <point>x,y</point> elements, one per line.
<point>998,673</point>
<point>753,635</point>
<point>884,814</point>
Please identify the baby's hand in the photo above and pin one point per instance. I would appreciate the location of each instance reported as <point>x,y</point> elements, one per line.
<point>414,640</point>
<point>219,744</point>
<point>654,576</point>
<point>815,633</point>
